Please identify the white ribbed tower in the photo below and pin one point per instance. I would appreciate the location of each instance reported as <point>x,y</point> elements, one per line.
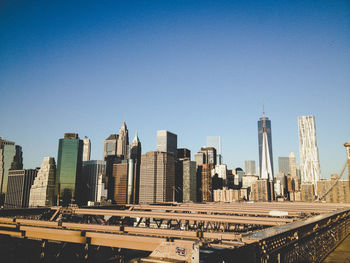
<point>309,161</point>
<point>266,169</point>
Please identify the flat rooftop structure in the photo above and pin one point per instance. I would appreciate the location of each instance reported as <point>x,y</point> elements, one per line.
<point>286,231</point>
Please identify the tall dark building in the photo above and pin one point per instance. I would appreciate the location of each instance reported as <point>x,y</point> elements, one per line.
<point>265,149</point>
<point>69,165</point>
<point>184,153</point>
<point>181,172</point>
<point>18,188</point>
<point>134,171</point>
<point>10,159</point>
<point>91,171</point>
<point>209,155</point>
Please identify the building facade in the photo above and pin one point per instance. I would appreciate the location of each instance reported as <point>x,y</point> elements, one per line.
<point>69,165</point>
<point>18,188</point>
<point>189,181</point>
<point>215,141</point>
<point>157,177</point>
<point>91,172</point>
<point>110,146</point>
<point>265,149</point>
<point>134,171</point>
<point>249,166</point>
<point>309,160</point>
<point>10,158</point>
<point>42,192</point>
<point>167,142</point>
<point>283,165</point>
<point>86,149</point>
<point>123,142</point>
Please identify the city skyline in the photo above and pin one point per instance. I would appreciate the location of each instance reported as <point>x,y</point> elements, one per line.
<point>86,69</point>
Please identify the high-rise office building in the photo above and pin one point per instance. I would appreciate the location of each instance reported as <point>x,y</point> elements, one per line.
<point>250,167</point>
<point>265,149</point>
<point>10,159</point>
<point>215,141</point>
<point>134,171</point>
<point>123,142</point>
<point>199,158</point>
<point>69,165</point>
<point>42,192</point>
<point>18,187</point>
<point>309,161</point>
<point>167,142</point>
<point>283,165</point>
<point>157,177</point>
<point>120,174</point>
<point>206,182</point>
<point>86,149</point>
<point>209,155</point>
<point>189,181</point>
<point>91,172</point>
<point>184,154</point>
<point>293,171</point>
<point>110,146</point>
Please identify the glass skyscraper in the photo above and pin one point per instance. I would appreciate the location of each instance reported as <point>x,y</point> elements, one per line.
<point>69,165</point>
<point>265,146</point>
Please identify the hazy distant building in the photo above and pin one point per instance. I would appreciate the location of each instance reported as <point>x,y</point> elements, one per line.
<point>42,192</point>
<point>250,167</point>
<point>157,177</point>
<point>293,171</point>
<point>215,141</point>
<point>110,146</point>
<point>91,172</point>
<point>265,149</point>
<point>86,149</point>
<point>309,161</point>
<point>199,158</point>
<point>10,158</point>
<point>69,165</point>
<point>18,188</point>
<point>167,142</point>
<point>123,142</point>
<point>283,165</point>
<point>134,171</point>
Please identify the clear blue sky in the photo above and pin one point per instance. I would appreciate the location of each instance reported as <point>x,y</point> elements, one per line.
<point>196,68</point>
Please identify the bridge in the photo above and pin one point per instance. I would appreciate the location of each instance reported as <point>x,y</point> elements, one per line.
<point>170,232</point>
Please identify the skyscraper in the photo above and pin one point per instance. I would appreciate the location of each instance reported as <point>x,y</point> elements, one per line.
<point>294,172</point>
<point>167,142</point>
<point>134,171</point>
<point>157,177</point>
<point>86,149</point>
<point>69,164</point>
<point>309,161</point>
<point>215,141</point>
<point>283,165</point>
<point>91,172</point>
<point>10,158</point>
<point>265,149</point>
<point>209,155</point>
<point>110,146</point>
<point>42,192</point>
<point>189,181</point>
<point>18,188</point>
<point>123,142</point>
<point>250,167</point>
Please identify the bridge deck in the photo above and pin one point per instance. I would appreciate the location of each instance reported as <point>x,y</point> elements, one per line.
<point>341,253</point>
